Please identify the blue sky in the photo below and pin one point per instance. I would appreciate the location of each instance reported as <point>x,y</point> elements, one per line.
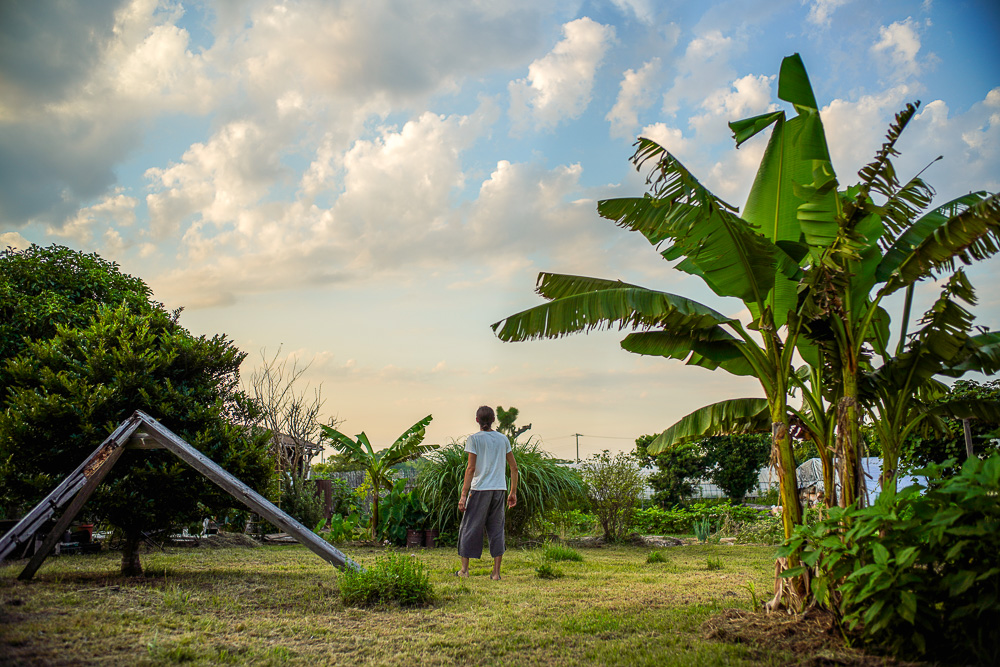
<point>367,186</point>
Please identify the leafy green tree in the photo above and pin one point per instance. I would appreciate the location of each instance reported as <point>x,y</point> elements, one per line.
<point>949,441</point>
<point>676,470</point>
<point>41,288</point>
<point>613,485</point>
<point>379,465</point>
<point>66,394</point>
<point>735,461</point>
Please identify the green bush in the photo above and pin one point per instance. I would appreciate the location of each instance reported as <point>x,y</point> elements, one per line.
<point>555,552</point>
<point>919,572</point>
<point>300,500</point>
<point>545,484</point>
<point>400,511</point>
<point>395,578</point>
<point>613,486</point>
<point>656,521</point>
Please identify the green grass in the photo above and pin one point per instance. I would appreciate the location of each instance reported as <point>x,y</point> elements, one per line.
<point>556,552</point>
<point>282,605</point>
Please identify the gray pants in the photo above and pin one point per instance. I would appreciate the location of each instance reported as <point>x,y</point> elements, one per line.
<point>484,510</point>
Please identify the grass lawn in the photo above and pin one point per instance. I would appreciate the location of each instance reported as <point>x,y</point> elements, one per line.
<point>280,605</point>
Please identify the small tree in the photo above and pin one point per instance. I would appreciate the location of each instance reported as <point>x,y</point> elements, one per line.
<point>736,461</point>
<point>613,486</point>
<point>676,468</point>
<point>379,465</point>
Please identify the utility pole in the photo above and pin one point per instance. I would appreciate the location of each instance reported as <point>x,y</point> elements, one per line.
<point>578,446</point>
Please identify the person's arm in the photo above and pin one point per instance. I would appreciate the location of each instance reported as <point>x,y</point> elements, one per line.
<point>470,472</point>
<point>512,496</point>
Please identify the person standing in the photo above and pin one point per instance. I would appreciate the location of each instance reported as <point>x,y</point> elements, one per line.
<point>484,496</point>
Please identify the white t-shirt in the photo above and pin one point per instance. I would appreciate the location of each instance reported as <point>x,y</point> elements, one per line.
<point>491,450</point>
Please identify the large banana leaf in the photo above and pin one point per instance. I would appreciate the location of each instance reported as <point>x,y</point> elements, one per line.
<point>970,408</point>
<point>983,356</point>
<point>625,307</point>
<point>967,223</point>
<point>730,255</point>
<point>711,348</point>
<point>735,416</point>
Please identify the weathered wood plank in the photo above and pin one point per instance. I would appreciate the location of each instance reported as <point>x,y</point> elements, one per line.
<point>97,473</point>
<point>244,493</point>
<point>29,524</point>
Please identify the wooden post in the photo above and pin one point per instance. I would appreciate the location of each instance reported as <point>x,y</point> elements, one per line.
<point>97,475</point>
<point>968,438</point>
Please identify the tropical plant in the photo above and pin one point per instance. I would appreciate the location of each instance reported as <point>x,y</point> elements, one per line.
<point>754,258</point>
<point>949,442</point>
<point>379,465</point>
<point>401,510</point>
<point>68,393</point>
<point>613,484</point>
<point>919,571</point>
<point>546,483</point>
<point>506,423</point>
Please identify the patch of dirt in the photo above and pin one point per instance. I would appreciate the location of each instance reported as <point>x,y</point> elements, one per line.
<point>813,637</point>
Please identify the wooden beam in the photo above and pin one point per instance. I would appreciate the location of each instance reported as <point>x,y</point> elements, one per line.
<point>968,438</point>
<point>244,493</point>
<point>76,480</point>
<point>97,475</point>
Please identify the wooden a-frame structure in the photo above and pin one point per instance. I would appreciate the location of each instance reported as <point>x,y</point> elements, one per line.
<point>80,484</point>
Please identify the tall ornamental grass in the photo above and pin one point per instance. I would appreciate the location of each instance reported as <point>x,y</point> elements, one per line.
<point>545,484</point>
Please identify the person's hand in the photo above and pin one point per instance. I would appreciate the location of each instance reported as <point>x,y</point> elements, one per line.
<point>511,499</point>
<point>461,504</point>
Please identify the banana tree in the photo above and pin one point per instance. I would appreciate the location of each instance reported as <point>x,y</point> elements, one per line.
<point>378,465</point>
<point>754,258</point>
<point>944,345</point>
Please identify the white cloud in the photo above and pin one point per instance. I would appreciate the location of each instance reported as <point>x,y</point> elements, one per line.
<point>670,138</point>
<point>634,95</point>
<point>103,218</point>
<point>821,11</point>
<point>704,67</point>
<point>13,240</point>
<point>641,9</point>
<point>558,86</point>
<point>897,49</point>
<point>748,96</point>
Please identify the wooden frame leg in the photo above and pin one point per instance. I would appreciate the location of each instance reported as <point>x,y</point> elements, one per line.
<point>96,477</point>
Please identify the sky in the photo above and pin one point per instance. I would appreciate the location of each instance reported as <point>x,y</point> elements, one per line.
<point>365,187</point>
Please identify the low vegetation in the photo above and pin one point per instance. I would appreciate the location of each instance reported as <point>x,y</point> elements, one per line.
<point>282,605</point>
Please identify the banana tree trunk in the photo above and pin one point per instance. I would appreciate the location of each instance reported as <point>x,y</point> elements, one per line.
<point>829,476</point>
<point>784,461</point>
<point>848,436</point>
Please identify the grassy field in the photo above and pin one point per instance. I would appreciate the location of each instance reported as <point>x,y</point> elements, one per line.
<point>280,605</point>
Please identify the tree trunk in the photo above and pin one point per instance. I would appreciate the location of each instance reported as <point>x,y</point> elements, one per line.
<point>829,477</point>
<point>848,436</point>
<point>131,567</point>
<point>791,514</point>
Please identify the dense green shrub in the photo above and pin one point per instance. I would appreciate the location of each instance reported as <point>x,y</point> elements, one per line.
<point>394,578</point>
<point>918,572</point>
<point>678,521</point>
<point>300,500</point>
<point>545,484</point>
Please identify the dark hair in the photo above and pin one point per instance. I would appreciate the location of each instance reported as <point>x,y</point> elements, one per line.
<point>485,416</point>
